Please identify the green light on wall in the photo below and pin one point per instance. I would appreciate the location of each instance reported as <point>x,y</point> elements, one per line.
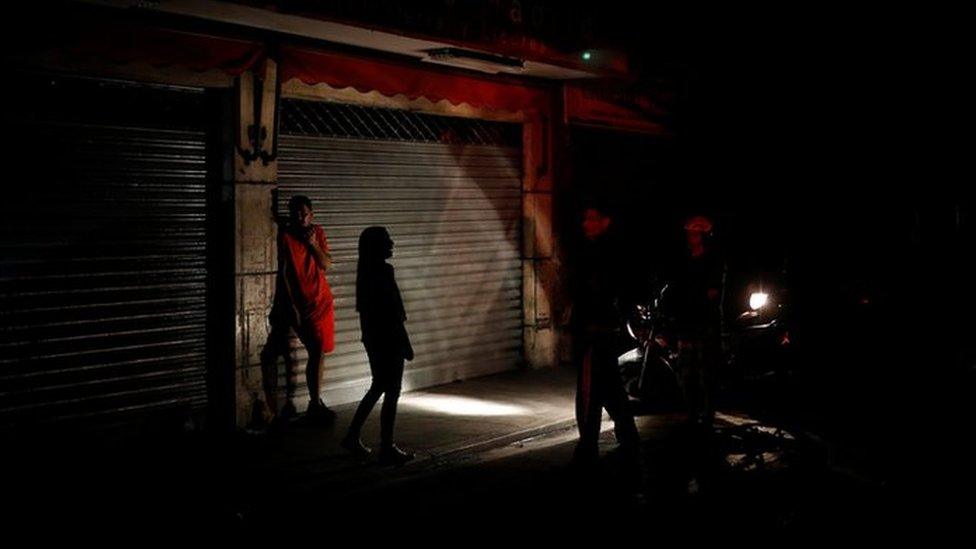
<point>587,56</point>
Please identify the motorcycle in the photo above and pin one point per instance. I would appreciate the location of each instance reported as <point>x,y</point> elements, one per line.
<point>648,368</point>
<point>756,345</point>
<point>758,338</point>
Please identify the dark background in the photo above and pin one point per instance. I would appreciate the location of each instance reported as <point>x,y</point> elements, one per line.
<point>820,142</point>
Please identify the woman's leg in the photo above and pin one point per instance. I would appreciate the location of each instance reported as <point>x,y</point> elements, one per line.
<point>313,371</point>
<point>362,411</point>
<point>393,379</point>
<point>273,348</point>
<point>318,339</point>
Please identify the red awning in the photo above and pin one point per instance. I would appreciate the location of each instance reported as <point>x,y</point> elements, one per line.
<point>159,48</point>
<point>390,78</point>
<point>588,106</point>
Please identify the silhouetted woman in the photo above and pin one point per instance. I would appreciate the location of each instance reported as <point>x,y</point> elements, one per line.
<point>381,318</point>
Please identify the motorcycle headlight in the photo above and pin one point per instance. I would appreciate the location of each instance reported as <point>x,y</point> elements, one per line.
<point>758,300</point>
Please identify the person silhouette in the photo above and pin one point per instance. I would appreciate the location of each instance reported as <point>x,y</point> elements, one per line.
<point>381,319</point>
<point>695,301</point>
<point>303,303</point>
<point>598,291</point>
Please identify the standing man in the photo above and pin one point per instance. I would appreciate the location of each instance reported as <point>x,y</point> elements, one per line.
<point>696,304</point>
<point>597,291</point>
<point>303,302</point>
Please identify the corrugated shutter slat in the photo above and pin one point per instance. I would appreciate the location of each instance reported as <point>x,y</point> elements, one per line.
<point>103,272</point>
<point>454,213</point>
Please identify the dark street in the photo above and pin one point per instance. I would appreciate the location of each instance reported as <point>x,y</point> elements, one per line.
<point>742,479</point>
<point>454,270</point>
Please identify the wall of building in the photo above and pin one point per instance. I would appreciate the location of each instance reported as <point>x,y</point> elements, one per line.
<point>252,187</point>
<point>255,185</point>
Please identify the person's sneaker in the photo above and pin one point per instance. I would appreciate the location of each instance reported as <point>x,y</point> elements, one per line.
<point>319,414</point>
<point>394,456</point>
<point>356,447</point>
<point>584,457</point>
<point>287,413</point>
<point>280,421</point>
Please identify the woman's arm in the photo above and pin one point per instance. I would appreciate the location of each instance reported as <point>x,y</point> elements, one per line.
<point>319,248</point>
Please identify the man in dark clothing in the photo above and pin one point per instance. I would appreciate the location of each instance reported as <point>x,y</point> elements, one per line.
<point>595,327</point>
<point>381,319</point>
<point>695,305</point>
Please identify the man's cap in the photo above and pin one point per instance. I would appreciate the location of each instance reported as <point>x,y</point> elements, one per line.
<point>699,224</point>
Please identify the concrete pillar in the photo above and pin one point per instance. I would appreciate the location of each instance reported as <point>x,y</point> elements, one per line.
<point>255,181</point>
<point>541,290</point>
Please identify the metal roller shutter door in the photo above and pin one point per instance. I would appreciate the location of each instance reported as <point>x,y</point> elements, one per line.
<point>103,284</point>
<point>454,212</point>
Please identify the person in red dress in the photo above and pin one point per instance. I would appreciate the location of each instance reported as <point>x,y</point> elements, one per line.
<point>304,303</point>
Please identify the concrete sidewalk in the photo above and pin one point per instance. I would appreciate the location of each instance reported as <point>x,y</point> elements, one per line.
<point>438,424</point>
